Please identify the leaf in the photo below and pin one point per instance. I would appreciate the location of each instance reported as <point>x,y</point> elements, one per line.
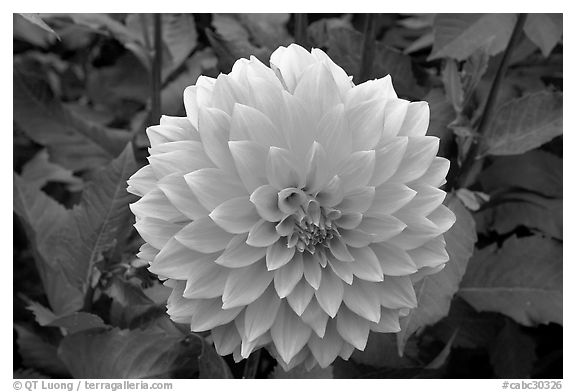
<point>513,353</point>
<point>473,200</point>
<point>37,20</point>
<point>440,360</point>
<point>212,365</point>
<point>535,171</point>
<point>522,280</point>
<point>524,124</point>
<point>513,210</point>
<point>72,323</point>
<point>457,36</point>
<point>300,372</point>
<point>138,353</point>
<point>71,141</point>
<point>39,171</point>
<point>382,351</point>
<point>434,292</point>
<point>545,30</point>
<point>38,354</point>
<point>441,115</point>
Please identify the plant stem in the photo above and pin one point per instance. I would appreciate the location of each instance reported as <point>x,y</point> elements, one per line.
<point>300,29</point>
<point>156,84</point>
<point>471,166</point>
<point>252,363</point>
<point>368,48</point>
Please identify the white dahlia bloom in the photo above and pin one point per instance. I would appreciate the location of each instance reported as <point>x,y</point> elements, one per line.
<point>291,209</point>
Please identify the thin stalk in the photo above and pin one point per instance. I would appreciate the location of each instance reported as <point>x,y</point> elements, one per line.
<point>368,48</point>
<point>252,364</point>
<point>156,84</point>
<point>471,165</point>
<point>300,29</point>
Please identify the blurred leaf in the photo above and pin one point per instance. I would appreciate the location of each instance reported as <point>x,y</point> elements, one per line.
<point>453,85</point>
<point>423,42</point>
<point>300,372</point>
<point>37,20</point>
<point>440,360</point>
<point>524,124</point>
<point>473,200</point>
<point>39,171</point>
<point>382,351</point>
<point>28,374</point>
<point>138,353</point>
<point>457,36</point>
<point>42,218</point>
<point>513,353</point>
<point>441,115</point>
<point>512,210</point>
<point>72,323</point>
<point>212,365</point>
<point>434,292</point>
<point>31,33</point>
<point>535,171</point>
<point>545,30</point>
<point>475,329</point>
<point>39,354</point>
<point>71,141</point>
<point>522,280</point>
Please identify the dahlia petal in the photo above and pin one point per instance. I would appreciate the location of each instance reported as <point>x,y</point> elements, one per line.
<point>214,129</point>
<point>346,351</point>
<point>236,215</point>
<point>318,173</point>
<point>288,276</point>
<point>142,182</point>
<point>312,270</point>
<point>281,171</point>
<point>260,314</point>
<point>326,349</point>
<point>181,161</point>
<point>343,81</point>
<point>239,254</point>
<point>383,228</point>
<point>431,254</point>
<point>416,120</point>
<point>210,313</point>
<point>251,124</point>
<point>357,170</point>
<point>248,347</point>
<point>388,159</point>
<point>204,236</point>
<point>366,265</point>
<point>315,317</point>
<point>213,187</point>
<point>187,129</point>
<point>329,295</point>
<point>334,135</point>
<point>245,285</point>
<point>352,328</point>
<point>160,134</point>
<point>300,297</point>
<point>278,255</point>
<point>296,122</point>
<point>363,299</point>
<point>250,158</point>
<point>331,194</point>
<point>358,200</point>
<point>227,92</point>
<point>349,220</point>
<point>339,249</point>
<point>226,339</point>
<point>379,88</point>
<point>262,234</point>
<point>181,196</point>
<point>389,321</point>
<point>265,199</point>
<point>289,333</point>
<point>427,199</point>
<point>443,218</point>
<point>394,115</point>
<point>147,252</point>
<point>397,292</point>
<point>286,226</point>
<point>343,270</point>
<point>155,231</point>
<point>366,121</point>
<point>420,153</point>
<point>393,260</point>
<point>356,238</point>
<point>180,145</point>
<point>436,174</point>
<point>154,204</point>
<point>205,280</point>
<point>179,309</point>
<point>198,96</point>
<point>389,198</point>
<point>290,62</point>
<point>175,260</point>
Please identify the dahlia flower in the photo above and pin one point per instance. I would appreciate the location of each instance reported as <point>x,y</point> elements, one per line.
<point>291,209</point>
